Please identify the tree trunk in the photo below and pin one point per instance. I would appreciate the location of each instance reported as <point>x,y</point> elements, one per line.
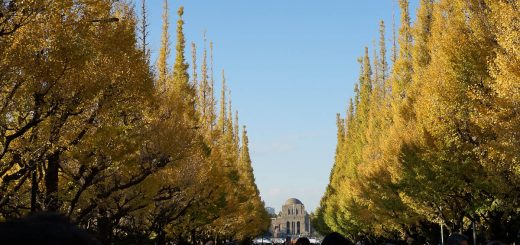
<point>51,183</point>
<point>193,241</point>
<point>105,229</point>
<point>34,187</point>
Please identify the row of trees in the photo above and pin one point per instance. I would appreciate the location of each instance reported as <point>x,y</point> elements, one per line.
<point>434,139</point>
<point>130,151</point>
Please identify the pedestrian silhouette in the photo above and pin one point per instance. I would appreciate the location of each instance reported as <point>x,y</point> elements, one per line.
<point>457,239</point>
<point>335,238</point>
<point>303,241</point>
<point>45,229</point>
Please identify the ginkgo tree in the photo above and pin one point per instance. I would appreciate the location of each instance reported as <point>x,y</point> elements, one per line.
<point>88,129</point>
<point>438,148</point>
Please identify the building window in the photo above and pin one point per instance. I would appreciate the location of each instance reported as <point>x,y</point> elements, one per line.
<point>296,211</point>
<point>288,228</point>
<point>298,227</point>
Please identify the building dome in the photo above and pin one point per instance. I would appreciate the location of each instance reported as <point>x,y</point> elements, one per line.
<point>292,201</point>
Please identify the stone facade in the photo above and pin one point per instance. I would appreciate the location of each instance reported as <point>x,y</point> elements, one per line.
<point>292,221</point>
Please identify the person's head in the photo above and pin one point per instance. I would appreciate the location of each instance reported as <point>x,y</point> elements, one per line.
<point>457,239</point>
<point>335,238</point>
<point>495,242</point>
<point>183,243</point>
<point>45,228</point>
<point>303,241</point>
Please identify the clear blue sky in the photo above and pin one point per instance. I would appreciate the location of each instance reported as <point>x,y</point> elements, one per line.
<point>291,66</point>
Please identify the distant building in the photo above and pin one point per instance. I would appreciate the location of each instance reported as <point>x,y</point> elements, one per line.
<point>292,221</point>
<point>270,211</point>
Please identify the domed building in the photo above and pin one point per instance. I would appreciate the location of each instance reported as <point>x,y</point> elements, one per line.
<point>292,221</point>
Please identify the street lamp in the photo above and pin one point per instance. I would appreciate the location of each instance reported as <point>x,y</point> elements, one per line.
<point>442,233</point>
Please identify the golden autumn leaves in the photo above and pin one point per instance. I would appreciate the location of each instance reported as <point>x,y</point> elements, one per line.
<point>88,130</point>
<point>440,145</point>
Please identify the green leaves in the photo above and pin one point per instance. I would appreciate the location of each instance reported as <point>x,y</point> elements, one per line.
<point>441,148</point>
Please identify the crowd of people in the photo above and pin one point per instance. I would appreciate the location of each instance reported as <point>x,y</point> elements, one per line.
<point>335,238</point>
<point>48,228</point>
